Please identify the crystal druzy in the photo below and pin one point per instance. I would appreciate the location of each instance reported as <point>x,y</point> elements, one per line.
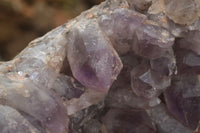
<point>124,66</point>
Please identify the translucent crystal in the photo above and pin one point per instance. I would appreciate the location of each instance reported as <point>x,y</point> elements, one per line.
<point>152,41</point>
<point>120,27</point>
<point>34,101</point>
<point>148,83</point>
<point>165,123</point>
<point>182,99</point>
<point>191,41</point>
<point>11,121</point>
<point>93,61</point>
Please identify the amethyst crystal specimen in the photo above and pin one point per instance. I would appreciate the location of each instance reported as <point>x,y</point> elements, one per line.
<point>124,66</point>
<point>93,60</point>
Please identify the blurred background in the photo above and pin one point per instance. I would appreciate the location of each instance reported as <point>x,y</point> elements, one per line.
<point>21,21</point>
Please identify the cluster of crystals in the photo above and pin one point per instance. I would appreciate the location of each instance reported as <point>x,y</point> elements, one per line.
<point>125,66</point>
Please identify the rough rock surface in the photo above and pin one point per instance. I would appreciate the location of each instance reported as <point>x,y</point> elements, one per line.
<point>124,66</point>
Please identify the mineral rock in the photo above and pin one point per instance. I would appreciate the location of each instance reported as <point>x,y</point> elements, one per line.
<point>140,5</point>
<point>93,61</point>
<point>82,120</point>
<point>120,27</point>
<point>88,98</point>
<point>93,126</point>
<point>165,65</point>
<point>181,11</point>
<point>166,123</point>
<point>67,87</point>
<point>191,41</point>
<point>152,41</point>
<point>11,121</point>
<point>72,79</point>
<point>148,83</point>
<point>182,99</point>
<point>125,121</point>
<point>34,101</point>
<point>37,71</point>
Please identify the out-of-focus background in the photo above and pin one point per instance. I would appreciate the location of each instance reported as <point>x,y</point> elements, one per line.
<point>21,21</point>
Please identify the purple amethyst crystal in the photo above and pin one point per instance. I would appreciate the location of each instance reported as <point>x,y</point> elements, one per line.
<point>125,66</point>
<point>148,83</point>
<point>152,41</point>
<point>165,123</point>
<point>120,27</point>
<point>39,103</point>
<point>11,121</point>
<point>183,100</point>
<point>182,97</point>
<point>93,60</point>
<point>191,41</point>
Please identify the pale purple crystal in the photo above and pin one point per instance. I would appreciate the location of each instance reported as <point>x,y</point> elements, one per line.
<point>140,5</point>
<point>11,121</point>
<point>183,100</point>
<point>148,83</point>
<point>165,123</point>
<point>152,41</point>
<point>159,54</point>
<point>93,61</point>
<point>182,97</point>
<point>191,41</point>
<point>37,102</point>
<point>120,27</point>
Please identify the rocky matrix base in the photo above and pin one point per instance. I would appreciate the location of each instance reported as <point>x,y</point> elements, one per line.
<point>121,67</point>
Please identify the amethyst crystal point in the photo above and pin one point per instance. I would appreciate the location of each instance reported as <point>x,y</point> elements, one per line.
<point>11,121</point>
<point>120,27</point>
<point>128,121</point>
<point>148,83</point>
<point>165,123</point>
<point>183,99</point>
<point>121,95</point>
<point>152,41</point>
<point>93,61</point>
<point>165,65</point>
